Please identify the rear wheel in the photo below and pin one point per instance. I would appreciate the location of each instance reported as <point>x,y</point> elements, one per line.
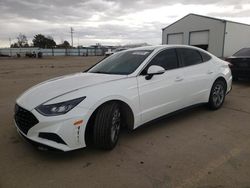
<point>217,95</point>
<point>107,126</point>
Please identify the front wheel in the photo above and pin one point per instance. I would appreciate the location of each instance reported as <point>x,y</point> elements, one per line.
<point>217,95</point>
<point>107,126</point>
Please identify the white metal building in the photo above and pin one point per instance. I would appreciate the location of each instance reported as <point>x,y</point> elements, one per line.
<point>220,37</point>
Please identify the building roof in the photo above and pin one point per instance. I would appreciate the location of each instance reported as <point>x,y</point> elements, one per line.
<point>207,17</point>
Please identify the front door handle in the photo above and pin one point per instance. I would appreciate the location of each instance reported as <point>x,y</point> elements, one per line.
<point>178,79</point>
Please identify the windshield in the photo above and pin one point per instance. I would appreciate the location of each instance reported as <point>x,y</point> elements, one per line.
<point>124,62</point>
<point>243,52</point>
<point>119,49</point>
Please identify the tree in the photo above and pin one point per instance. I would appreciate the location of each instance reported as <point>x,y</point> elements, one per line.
<point>21,42</point>
<point>50,42</point>
<point>15,45</point>
<point>65,44</point>
<point>43,42</point>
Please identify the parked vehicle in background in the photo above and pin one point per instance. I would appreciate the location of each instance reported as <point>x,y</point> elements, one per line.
<point>30,54</point>
<point>34,54</point>
<point>108,53</point>
<point>129,88</point>
<point>240,63</point>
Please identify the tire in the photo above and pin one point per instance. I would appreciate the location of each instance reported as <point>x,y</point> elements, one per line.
<point>217,95</point>
<point>107,126</point>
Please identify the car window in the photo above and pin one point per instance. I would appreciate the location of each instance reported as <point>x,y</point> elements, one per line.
<point>166,59</point>
<point>243,52</point>
<point>205,56</point>
<point>189,57</point>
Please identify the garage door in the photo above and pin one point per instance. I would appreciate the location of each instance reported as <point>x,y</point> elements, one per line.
<point>175,38</point>
<point>199,38</point>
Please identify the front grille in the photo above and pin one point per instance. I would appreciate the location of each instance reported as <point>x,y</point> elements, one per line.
<point>24,119</point>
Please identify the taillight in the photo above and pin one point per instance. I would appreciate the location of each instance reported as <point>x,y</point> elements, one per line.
<point>228,60</point>
<point>230,64</point>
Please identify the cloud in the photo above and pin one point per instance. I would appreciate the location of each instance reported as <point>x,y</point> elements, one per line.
<point>107,21</point>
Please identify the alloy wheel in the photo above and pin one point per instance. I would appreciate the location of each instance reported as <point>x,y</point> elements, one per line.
<point>116,123</point>
<point>218,94</point>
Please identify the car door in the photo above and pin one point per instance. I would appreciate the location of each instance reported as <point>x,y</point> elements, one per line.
<point>162,93</point>
<point>198,73</point>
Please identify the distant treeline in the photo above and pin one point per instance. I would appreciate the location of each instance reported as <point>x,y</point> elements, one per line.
<point>39,41</point>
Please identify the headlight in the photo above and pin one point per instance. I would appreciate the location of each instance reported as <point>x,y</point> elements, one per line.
<point>58,108</point>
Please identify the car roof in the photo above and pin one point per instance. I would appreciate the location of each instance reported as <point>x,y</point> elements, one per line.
<point>159,47</point>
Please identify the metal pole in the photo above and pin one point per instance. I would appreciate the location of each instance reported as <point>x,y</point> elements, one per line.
<point>10,47</point>
<point>71,32</point>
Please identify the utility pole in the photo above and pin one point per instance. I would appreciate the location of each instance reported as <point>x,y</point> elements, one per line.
<point>10,46</point>
<point>78,40</point>
<point>72,32</point>
<point>10,41</point>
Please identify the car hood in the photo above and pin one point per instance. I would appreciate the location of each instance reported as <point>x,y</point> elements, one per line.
<point>56,87</point>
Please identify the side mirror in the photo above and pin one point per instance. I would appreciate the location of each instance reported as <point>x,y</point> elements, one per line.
<point>154,70</point>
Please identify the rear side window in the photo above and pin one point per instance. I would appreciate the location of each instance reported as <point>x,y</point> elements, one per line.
<point>190,57</point>
<point>205,56</point>
<point>166,59</point>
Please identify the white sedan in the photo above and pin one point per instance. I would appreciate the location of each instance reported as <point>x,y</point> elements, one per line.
<point>129,88</point>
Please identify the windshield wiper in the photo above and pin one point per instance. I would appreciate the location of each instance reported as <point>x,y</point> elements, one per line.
<point>102,72</point>
<point>116,73</point>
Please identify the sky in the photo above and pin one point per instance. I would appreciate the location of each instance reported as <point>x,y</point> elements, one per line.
<point>108,22</point>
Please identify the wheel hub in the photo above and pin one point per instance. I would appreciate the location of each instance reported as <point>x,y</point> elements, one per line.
<point>116,122</point>
<point>218,95</point>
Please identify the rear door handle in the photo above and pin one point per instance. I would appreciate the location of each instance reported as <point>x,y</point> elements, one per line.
<point>178,79</point>
<point>210,72</point>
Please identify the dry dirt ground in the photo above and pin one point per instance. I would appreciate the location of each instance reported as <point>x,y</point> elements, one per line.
<point>197,148</point>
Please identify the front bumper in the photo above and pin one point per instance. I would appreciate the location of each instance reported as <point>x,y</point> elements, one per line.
<point>37,144</point>
<point>60,131</point>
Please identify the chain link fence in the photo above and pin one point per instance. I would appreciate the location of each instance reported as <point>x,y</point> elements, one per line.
<point>22,52</point>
